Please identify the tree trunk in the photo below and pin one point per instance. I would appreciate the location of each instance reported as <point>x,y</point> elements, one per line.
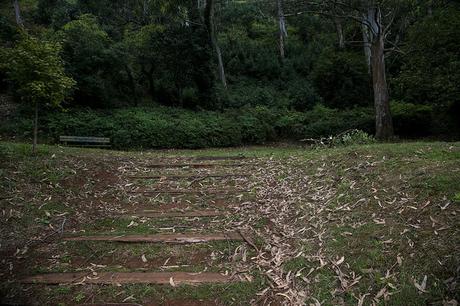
<point>17,13</point>
<point>383,120</point>
<point>132,84</point>
<point>366,45</point>
<point>282,34</point>
<point>339,29</point>
<point>34,143</point>
<point>209,22</point>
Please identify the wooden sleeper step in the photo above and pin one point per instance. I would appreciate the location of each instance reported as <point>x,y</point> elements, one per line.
<point>176,214</point>
<point>162,238</point>
<point>161,278</point>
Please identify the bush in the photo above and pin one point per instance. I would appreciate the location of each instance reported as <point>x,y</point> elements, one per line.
<point>411,120</point>
<point>341,79</point>
<point>323,121</point>
<point>163,127</point>
<point>353,137</point>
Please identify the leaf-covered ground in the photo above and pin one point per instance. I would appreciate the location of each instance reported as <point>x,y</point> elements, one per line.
<point>358,225</point>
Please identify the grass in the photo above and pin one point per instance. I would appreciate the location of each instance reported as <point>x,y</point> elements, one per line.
<point>408,185</point>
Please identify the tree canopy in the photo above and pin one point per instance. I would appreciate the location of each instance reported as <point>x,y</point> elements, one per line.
<point>177,54</point>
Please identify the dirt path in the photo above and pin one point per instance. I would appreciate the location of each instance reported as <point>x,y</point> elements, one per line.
<point>163,194</point>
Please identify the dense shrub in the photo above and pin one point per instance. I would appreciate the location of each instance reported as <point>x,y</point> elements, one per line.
<point>342,80</point>
<point>164,127</point>
<point>353,137</point>
<point>411,119</point>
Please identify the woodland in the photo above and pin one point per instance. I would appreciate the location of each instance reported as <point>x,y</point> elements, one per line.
<point>196,73</point>
<point>262,152</point>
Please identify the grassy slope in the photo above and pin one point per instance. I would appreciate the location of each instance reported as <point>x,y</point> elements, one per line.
<point>408,186</point>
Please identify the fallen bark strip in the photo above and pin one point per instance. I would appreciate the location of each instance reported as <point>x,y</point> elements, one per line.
<point>164,278</point>
<point>176,214</point>
<point>180,176</point>
<point>162,238</point>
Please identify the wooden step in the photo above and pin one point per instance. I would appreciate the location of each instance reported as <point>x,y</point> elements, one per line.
<point>110,304</point>
<point>185,176</point>
<point>192,165</point>
<point>176,214</point>
<point>234,157</point>
<point>162,278</point>
<point>186,191</point>
<point>162,238</point>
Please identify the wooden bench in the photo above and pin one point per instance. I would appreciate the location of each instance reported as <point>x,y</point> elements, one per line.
<point>99,142</point>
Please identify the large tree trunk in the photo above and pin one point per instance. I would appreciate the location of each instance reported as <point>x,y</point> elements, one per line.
<point>209,22</point>
<point>17,13</point>
<point>34,143</point>
<point>375,35</point>
<point>282,33</point>
<point>383,120</point>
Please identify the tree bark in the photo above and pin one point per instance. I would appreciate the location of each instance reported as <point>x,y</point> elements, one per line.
<point>34,143</point>
<point>209,22</point>
<point>282,33</point>
<point>132,84</point>
<point>17,13</point>
<point>383,120</point>
<point>339,29</point>
<point>367,48</point>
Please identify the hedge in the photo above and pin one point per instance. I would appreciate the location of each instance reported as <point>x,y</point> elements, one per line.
<point>163,127</point>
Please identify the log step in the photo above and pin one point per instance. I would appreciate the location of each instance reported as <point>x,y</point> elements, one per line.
<point>161,278</point>
<point>186,176</point>
<point>162,238</point>
<point>219,157</point>
<point>182,191</point>
<point>176,214</point>
<point>111,304</point>
<point>192,165</point>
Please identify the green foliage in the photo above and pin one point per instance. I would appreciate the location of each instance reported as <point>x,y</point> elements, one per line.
<point>36,71</point>
<point>324,121</point>
<point>353,137</point>
<point>162,127</point>
<point>150,53</point>
<point>342,79</point>
<point>431,67</point>
<point>87,56</point>
<point>412,119</point>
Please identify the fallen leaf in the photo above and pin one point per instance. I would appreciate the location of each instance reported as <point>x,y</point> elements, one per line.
<point>421,287</point>
<point>340,261</point>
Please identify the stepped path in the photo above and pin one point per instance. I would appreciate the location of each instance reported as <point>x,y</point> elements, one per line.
<point>176,226</point>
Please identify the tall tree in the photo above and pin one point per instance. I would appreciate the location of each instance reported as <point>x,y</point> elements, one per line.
<point>211,27</point>
<point>282,32</point>
<point>17,13</point>
<point>376,18</point>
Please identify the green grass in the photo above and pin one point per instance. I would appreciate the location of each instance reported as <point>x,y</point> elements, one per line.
<point>421,172</point>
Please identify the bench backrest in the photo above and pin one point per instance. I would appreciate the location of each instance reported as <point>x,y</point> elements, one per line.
<point>80,139</point>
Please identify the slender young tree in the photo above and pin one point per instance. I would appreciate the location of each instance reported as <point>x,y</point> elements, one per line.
<point>211,28</point>
<point>17,13</point>
<point>282,32</point>
<point>37,73</point>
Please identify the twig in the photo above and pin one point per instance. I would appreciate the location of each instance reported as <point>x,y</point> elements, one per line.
<point>248,241</point>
